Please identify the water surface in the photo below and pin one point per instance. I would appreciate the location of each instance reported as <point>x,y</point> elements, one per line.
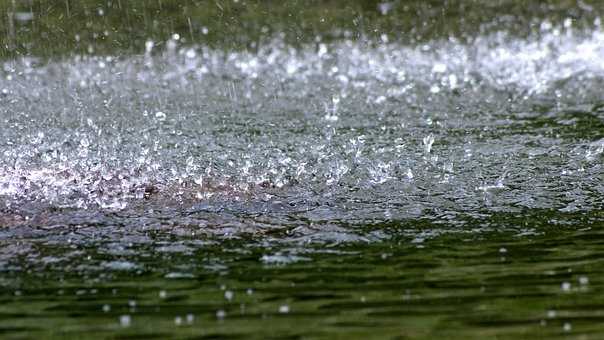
<point>353,187</point>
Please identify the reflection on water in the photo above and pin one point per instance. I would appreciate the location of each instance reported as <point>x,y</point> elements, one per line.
<point>440,189</point>
<point>477,285</point>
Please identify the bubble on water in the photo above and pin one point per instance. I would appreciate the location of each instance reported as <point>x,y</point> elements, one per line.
<point>284,309</point>
<point>229,295</point>
<point>220,314</point>
<point>106,308</point>
<point>178,320</point>
<point>565,286</point>
<point>125,320</point>
<point>163,294</point>
<point>583,280</point>
<point>551,314</point>
<point>567,327</point>
<point>190,318</point>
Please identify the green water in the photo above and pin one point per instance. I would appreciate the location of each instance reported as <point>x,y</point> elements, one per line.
<point>302,170</point>
<point>468,285</point>
<point>106,27</point>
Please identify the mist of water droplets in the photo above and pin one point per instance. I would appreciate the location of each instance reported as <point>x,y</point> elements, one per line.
<point>344,131</point>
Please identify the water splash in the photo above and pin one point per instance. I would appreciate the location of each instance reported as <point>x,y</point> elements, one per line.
<point>335,132</point>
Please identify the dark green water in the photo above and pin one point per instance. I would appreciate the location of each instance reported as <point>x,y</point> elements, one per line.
<point>334,169</point>
<point>504,285</point>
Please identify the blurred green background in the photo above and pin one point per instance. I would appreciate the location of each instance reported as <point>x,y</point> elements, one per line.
<point>58,27</point>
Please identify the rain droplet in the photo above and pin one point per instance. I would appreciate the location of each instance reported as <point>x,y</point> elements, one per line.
<point>567,327</point>
<point>125,320</point>
<point>160,116</point>
<point>149,46</point>
<point>439,68</point>
<point>435,89</point>
<point>428,141</point>
<point>565,286</point>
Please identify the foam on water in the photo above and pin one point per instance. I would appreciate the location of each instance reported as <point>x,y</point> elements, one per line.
<point>342,134</point>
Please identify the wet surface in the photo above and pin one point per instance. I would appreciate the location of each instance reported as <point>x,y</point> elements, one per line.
<point>488,284</point>
<point>448,188</point>
<point>342,132</point>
